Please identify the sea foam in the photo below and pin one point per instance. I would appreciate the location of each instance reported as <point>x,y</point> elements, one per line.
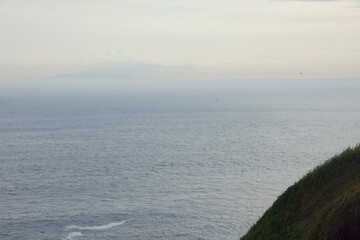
<point>102,227</point>
<point>71,235</point>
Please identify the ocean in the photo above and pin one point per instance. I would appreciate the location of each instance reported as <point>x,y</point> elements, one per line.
<point>160,165</point>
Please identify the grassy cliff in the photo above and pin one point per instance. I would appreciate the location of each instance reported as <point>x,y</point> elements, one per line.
<point>325,204</point>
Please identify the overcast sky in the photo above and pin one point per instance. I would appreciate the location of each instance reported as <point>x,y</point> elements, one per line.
<point>187,39</point>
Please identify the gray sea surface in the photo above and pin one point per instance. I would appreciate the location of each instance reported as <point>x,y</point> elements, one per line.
<point>181,165</point>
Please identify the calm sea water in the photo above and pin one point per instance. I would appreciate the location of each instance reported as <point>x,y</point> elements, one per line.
<point>160,166</point>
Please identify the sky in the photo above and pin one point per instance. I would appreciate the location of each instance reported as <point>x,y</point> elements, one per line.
<point>189,42</point>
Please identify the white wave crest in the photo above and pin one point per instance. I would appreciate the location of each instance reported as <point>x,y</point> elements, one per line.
<point>71,235</point>
<point>102,227</point>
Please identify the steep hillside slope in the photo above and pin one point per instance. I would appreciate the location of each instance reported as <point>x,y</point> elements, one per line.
<point>325,204</point>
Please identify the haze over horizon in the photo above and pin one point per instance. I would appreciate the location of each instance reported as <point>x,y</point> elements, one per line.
<point>137,44</point>
<point>167,119</point>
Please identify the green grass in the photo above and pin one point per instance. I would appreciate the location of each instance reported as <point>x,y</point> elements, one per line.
<point>324,204</point>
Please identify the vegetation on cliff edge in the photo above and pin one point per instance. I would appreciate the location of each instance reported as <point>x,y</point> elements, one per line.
<point>324,204</point>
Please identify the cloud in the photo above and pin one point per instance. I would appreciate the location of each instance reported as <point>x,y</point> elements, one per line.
<point>311,0</point>
<point>184,40</point>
